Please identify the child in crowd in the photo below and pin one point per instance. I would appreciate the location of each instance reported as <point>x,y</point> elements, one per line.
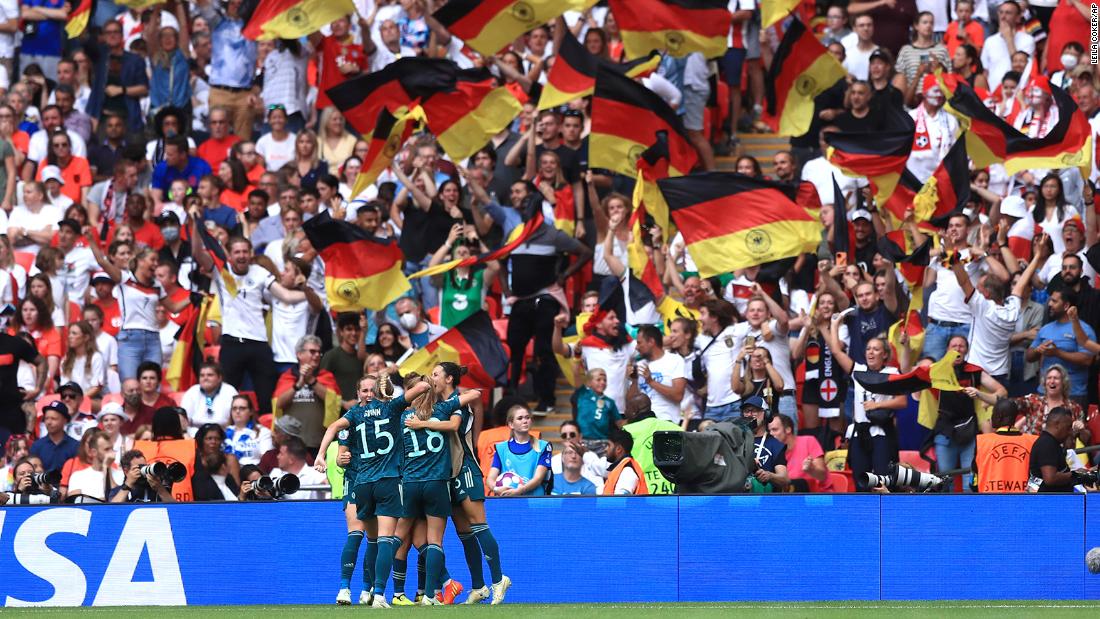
<point>595,413</point>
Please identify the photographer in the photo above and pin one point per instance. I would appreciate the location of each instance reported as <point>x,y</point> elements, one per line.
<point>27,489</point>
<point>250,490</point>
<point>139,487</point>
<point>1048,464</point>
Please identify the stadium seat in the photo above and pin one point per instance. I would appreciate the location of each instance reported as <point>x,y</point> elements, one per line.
<point>24,259</point>
<point>840,482</point>
<point>914,459</point>
<point>1093,423</point>
<point>212,352</point>
<point>177,397</point>
<point>501,327</point>
<point>251,395</point>
<point>266,420</point>
<point>493,307</point>
<point>433,315</point>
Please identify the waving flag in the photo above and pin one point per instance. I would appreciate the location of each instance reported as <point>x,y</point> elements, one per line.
<point>182,370</point>
<point>519,236</point>
<point>989,139</point>
<point>292,19</point>
<point>652,166</point>
<point>733,222</point>
<point>879,156</point>
<point>400,85</point>
<point>491,25</point>
<point>680,26</point>
<point>78,19</point>
<point>573,74</point>
<point>466,118</point>
<point>940,375</point>
<point>626,118</point>
<point>844,235</point>
<point>947,191</point>
<point>471,343</point>
<point>898,247</point>
<point>361,271</point>
<point>390,133</point>
<point>775,11</point>
<point>801,69</point>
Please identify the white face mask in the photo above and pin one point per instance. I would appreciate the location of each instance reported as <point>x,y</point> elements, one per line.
<point>408,320</point>
<point>1069,61</point>
<point>1036,97</point>
<point>934,97</point>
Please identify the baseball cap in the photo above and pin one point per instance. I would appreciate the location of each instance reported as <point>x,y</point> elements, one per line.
<point>879,54</point>
<point>1076,223</point>
<point>859,213</point>
<point>52,173</point>
<point>112,408</point>
<point>167,218</point>
<point>754,401</point>
<point>58,407</point>
<point>71,386</point>
<point>1014,206</point>
<point>289,425</point>
<point>102,276</point>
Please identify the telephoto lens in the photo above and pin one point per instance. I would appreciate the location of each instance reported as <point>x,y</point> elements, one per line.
<point>49,478</point>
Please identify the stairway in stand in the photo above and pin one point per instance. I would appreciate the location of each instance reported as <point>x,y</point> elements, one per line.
<point>763,146</point>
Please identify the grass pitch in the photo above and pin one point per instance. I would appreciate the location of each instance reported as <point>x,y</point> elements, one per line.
<point>816,610</point>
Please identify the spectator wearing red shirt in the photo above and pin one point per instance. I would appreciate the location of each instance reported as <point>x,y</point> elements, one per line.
<point>215,149</point>
<point>145,232</point>
<point>1069,22</point>
<point>341,57</point>
<point>964,29</point>
<point>104,286</point>
<point>805,458</point>
<point>75,173</point>
<point>33,317</point>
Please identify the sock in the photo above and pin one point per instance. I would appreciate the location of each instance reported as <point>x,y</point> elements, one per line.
<point>433,567</point>
<point>444,576</point>
<point>399,567</point>
<point>489,546</point>
<point>420,561</point>
<point>348,556</point>
<point>368,562</point>
<point>386,549</point>
<point>472,550</point>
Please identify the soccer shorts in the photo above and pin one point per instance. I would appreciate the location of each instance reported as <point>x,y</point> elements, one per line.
<point>468,485</point>
<point>427,498</point>
<point>378,498</point>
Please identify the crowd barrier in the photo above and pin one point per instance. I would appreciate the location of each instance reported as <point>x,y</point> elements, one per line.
<point>575,549</point>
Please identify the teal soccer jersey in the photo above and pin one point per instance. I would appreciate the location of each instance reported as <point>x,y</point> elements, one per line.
<point>373,441</point>
<point>427,455</point>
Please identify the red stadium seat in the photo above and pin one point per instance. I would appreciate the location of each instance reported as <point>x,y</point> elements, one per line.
<point>251,395</point>
<point>494,307</point>
<point>840,482</point>
<point>265,420</point>
<point>24,259</point>
<point>433,315</point>
<point>914,459</point>
<point>501,327</point>
<point>1093,423</point>
<point>177,397</point>
<point>212,352</point>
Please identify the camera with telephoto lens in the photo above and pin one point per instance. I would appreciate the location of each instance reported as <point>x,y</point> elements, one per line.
<point>49,478</point>
<point>278,487</point>
<point>166,474</point>
<point>1086,478</point>
<point>905,478</point>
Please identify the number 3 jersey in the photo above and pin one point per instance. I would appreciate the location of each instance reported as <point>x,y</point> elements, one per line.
<point>427,453</point>
<point>373,440</point>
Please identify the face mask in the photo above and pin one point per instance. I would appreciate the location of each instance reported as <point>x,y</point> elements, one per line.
<point>933,98</point>
<point>408,320</point>
<point>1069,61</point>
<point>171,235</point>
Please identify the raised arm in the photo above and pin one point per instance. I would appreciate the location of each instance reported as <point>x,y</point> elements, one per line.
<point>330,435</point>
<point>93,244</point>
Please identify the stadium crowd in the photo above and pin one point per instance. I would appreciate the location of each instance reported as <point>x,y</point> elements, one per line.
<point>123,147</point>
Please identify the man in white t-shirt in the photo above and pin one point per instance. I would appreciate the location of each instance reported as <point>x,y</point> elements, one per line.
<point>79,261</point>
<point>717,344</point>
<point>606,347</point>
<point>766,323</point>
<point>209,400</point>
<point>948,313</point>
<point>998,49</point>
<point>292,461</point>
<point>858,45</point>
<point>391,49</point>
<point>660,374</point>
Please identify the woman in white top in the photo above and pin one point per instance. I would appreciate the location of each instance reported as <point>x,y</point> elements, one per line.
<point>612,216</point>
<point>872,443</point>
<point>12,275</point>
<point>94,483</point>
<point>246,439</point>
<point>83,364</point>
<point>31,226</point>
<point>276,147</point>
<point>1051,210</point>
<point>138,294</point>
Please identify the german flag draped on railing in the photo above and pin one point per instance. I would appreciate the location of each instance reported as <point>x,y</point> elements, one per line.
<point>989,139</point>
<point>680,26</point>
<point>361,271</point>
<point>731,222</point>
<point>573,74</point>
<point>801,69</point>
<point>626,117</point>
<point>390,133</point>
<point>879,156</point>
<point>466,118</point>
<point>78,19</point>
<point>471,343</point>
<point>519,236</point>
<point>291,19</point>
<point>488,26</point>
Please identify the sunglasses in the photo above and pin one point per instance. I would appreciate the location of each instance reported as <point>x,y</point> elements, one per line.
<point>569,435</point>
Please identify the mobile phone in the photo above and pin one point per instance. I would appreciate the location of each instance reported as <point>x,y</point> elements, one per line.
<point>842,259</point>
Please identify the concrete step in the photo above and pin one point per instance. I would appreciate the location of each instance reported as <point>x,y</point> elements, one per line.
<point>762,146</point>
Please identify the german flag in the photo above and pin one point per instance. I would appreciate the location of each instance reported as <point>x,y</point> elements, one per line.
<point>361,271</point>
<point>217,254</point>
<point>652,166</point>
<point>138,5</point>
<point>471,343</point>
<point>489,26</point>
<point>573,75</point>
<point>801,69</point>
<point>183,367</point>
<point>466,118</point>
<point>775,11</point>
<point>401,84</point>
<point>878,156</point>
<point>519,236</point>
<point>292,19</point>
<point>901,198</point>
<point>78,19</point>
<point>898,247</point>
<point>939,375</point>
<point>626,118</point>
<point>989,139</point>
<point>390,133</point>
<point>730,221</point>
<point>844,235</point>
<point>680,26</point>
<point>289,378</point>
<point>947,191</point>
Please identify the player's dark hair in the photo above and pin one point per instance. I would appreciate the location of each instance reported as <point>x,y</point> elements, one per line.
<point>452,370</point>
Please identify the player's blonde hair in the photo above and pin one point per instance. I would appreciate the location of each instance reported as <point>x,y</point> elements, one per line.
<point>422,404</point>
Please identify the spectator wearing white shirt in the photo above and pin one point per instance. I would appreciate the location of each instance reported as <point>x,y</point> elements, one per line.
<point>277,146</point>
<point>39,145</point>
<point>948,313</point>
<point>858,46</point>
<point>660,374</point>
<point>935,131</point>
<point>292,461</point>
<point>83,364</point>
<point>79,260</point>
<point>1073,240</point>
<point>593,466</point>
<point>998,49</point>
<point>210,399</point>
<point>31,225</point>
<point>717,345</point>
